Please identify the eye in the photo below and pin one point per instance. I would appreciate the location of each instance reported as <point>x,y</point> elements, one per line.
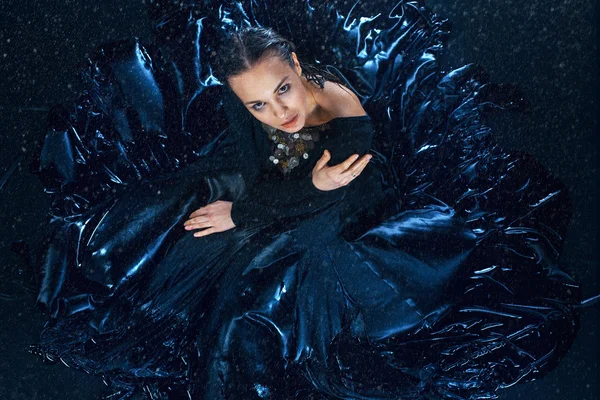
<point>258,106</point>
<point>284,88</point>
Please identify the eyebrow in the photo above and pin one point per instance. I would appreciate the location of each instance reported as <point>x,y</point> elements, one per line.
<point>274,91</point>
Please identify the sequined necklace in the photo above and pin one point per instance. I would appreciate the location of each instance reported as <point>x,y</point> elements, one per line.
<point>288,149</point>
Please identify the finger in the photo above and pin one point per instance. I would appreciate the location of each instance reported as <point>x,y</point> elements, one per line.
<point>344,165</point>
<point>357,167</point>
<point>323,160</point>
<point>346,181</point>
<point>349,178</point>
<point>196,220</point>
<point>205,232</point>
<point>199,212</point>
<point>201,225</point>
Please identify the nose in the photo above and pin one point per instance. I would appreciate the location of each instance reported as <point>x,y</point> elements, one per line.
<point>280,110</point>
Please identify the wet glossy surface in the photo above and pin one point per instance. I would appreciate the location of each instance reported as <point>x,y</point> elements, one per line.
<point>497,246</point>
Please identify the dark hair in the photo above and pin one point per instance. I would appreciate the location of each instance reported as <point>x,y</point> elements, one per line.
<point>244,48</point>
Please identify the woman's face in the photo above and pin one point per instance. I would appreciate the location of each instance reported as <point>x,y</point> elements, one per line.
<point>275,93</point>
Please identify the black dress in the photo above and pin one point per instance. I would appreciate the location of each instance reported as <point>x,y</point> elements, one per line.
<point>432,275</point>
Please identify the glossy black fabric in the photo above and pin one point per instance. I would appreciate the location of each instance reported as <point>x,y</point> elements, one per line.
<point>433,275</point>
<point>278,195</point>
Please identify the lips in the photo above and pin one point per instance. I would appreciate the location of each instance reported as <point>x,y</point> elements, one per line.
<point>290,122</point>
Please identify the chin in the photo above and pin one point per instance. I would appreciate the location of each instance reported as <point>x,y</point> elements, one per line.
<point>295,129</point>
<point>299,124</point>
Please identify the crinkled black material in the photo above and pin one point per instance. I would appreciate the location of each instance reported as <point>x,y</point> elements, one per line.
<point>453,296</point>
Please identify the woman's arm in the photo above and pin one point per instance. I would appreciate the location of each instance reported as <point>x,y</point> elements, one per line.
<point>269,200</point>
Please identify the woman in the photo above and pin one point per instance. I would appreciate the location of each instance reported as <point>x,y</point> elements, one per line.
<point>296,102</point>
<point>300,275</point>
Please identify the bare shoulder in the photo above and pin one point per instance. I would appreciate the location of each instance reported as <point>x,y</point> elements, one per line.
<point>341,101</point>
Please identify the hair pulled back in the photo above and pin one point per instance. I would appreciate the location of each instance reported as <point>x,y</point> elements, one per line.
<point>244,48</point>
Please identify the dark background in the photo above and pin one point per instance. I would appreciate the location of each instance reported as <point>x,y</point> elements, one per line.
<point>547,47</point>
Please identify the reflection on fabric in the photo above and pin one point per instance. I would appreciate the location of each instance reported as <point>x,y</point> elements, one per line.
<point>454,294</point>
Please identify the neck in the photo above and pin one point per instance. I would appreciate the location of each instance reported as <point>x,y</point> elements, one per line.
<point>316,114</point>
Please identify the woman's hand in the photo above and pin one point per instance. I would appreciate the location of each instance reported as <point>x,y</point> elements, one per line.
<point>327,178</point>
<point>213,218</point>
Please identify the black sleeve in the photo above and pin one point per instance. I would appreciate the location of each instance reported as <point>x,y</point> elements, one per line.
<point>269,199</point>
